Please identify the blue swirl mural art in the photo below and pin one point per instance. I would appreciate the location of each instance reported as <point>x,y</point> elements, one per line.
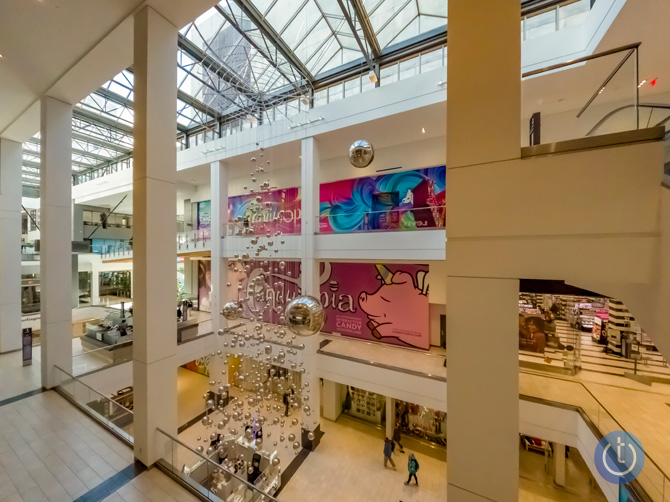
<point>404,200</point>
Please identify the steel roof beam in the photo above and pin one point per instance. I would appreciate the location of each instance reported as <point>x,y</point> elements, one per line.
<point>366,26</point>
<point>233,22</point>
<point>228,76</point>
<point>250,10</point>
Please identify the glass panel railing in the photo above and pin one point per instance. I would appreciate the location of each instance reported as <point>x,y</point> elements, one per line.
<point>195,239</point>
<point>427,364</point>
<point>229,480</point>
<point>390,220</point>
<point>606,99</point>
<point>102,357</point>
<point>653,479</point>
<point>105,410</point>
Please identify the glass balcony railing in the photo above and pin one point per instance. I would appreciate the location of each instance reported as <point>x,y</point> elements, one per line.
<point>118,419</point>
<point>193,240</point>
<point>547,389</point>
<point>102,357</point>
<point>219,482</point>
<point>604,100</point>
<point>401,219</point>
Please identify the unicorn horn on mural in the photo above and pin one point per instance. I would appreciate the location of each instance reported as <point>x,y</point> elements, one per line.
<point>384,274</point>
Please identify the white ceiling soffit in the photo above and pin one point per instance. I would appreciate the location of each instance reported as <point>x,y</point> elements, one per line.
<point>67,49</point>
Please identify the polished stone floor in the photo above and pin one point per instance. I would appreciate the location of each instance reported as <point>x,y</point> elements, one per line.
<point>51,451</point>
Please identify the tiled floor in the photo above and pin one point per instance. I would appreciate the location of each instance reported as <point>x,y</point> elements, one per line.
<point>51,451</point>
<point>17,379</point>
<point>151,486</point>
<point>348,466</point>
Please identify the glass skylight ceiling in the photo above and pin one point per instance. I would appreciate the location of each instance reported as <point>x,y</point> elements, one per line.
<point>241,59</point>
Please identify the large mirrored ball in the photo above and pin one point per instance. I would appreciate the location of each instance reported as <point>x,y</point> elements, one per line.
<point>304,316</point>
<point>231,311</point>
<point>361,153</point>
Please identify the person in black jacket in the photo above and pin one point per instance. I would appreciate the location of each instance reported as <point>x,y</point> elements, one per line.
<point>397,436</point>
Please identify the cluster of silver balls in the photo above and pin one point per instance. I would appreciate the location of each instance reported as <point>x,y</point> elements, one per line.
<point>260,344</point>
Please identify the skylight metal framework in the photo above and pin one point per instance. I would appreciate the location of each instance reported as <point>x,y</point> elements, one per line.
<point>241,59</point>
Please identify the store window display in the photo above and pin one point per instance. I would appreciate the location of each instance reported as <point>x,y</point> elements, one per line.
<point>421,422</point>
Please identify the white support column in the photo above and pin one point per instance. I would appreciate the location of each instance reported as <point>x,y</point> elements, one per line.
<point>310,168</point>
<point>559,464</point>
<point>55,238</point>
<point>390,416</point>
<point>95,284</point>
<point>483,383</point>
<point>332,400</point>
<point>10,245</point>
<point>482,361</point>
<point>154,235</point>
<point>219,209</point>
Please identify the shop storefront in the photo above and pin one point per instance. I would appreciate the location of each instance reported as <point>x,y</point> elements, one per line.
<point>421,422</point>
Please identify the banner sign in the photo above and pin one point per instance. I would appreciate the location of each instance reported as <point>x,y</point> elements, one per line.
<point>282,205</point>
<point>404,200</point>
<point>383,302</point>
<point>204,285</point>
<point>204,215</point>
<point>27,346</point>
<point>269,297</point>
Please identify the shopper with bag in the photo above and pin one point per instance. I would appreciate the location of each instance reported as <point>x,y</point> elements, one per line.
<point>412,467</point>
<point>388,451</point>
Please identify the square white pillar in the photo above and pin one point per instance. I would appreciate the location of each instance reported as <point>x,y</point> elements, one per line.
<point>55,238</point>
<point>10,245</point>
<point>482,389</point>
<point>310,167</point>
<point>219,209</point>
<point>154,234</point>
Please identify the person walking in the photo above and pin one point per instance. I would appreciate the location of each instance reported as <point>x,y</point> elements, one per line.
<point>412,467</point>
<point>397,436</point>
<point>388,451</point>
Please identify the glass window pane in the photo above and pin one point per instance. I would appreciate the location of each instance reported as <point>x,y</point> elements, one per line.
<point>573,14</point>
<point>389,74</point>
<point>352,87</point>
<point>409,68</point>
<point>335,92</point>
<point>431,60</point>
<point>541,24</point>
<point>320,98</point>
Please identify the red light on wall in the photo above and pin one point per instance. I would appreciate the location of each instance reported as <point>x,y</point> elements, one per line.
<point>652,83</point>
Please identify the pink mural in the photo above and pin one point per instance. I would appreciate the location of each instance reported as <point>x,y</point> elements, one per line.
<point>267,297</point>
<point>388,302</point>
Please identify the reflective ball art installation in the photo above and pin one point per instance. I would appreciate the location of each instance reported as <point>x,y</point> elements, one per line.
<point>304,316</point>
<point>361,153</point>
<point>258,399</point>
<point>231,311</point>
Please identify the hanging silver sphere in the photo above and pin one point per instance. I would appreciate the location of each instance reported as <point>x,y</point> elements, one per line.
<point>231,311</point>
<point>361,153</point>
<point>304,316</point>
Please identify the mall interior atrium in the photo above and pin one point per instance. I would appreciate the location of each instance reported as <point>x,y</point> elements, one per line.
<point>260,188</point>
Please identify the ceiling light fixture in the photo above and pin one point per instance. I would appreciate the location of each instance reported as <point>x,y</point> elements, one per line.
<point>641,84</point>
<point>1,56</point>
<point>373,77</point>
<point>423,130</point>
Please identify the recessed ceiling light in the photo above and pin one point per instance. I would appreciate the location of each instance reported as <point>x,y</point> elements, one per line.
<point>423,130</point>
<point>1,56</point>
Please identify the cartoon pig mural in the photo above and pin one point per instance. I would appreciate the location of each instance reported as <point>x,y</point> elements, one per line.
<point>392,309</point>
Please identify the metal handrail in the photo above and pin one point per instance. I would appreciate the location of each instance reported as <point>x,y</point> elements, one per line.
<point>108,348</point>
<point>217,466</point>
<point>571,62</point>
<point>91,388</point>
